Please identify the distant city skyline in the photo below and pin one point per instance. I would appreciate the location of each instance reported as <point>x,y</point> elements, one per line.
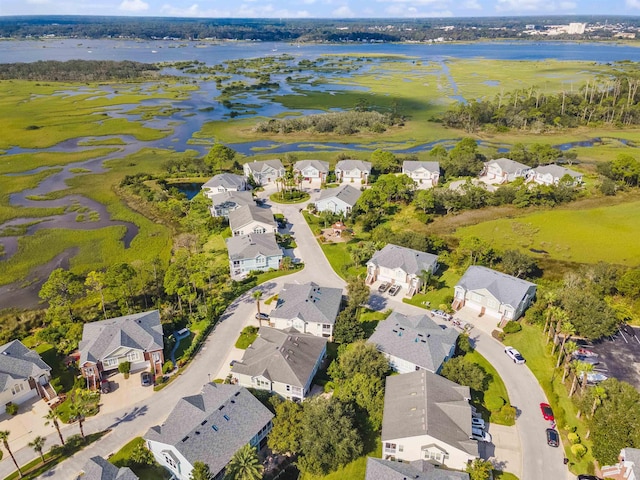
<point>319,8</point>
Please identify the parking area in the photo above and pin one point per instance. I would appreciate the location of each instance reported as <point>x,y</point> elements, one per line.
<point>124,392</point>
<point>619,355</point>
<point>27,424</point>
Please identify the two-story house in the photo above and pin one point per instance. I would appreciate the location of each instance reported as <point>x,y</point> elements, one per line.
<point>340,200</point>
<point>224,182</point>
<point>401,266</point>
<point>379,469</point>
<point>353,171</point>
<point>425,174</point>
<point>309,308</point>
<point>224,203</point>
<point>253,252</point>
<point>281,361</point>
<point>414,342</point>
<point>552,174</point>
<point>23,374</point>
<point>627,468</point>
<point>427,417</point>
<point>265,172</point>
<point>136,338</point>
<point>209,427</point>
<point>504,170</point>
<point>312,170</point>
<point>252,219</point>
<point>493,293</point>
<point>97,468</point>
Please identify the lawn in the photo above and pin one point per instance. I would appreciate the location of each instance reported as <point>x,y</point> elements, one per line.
<point>62,378</point>
<point>247,337</point>
<point>608,234</point>
<point>531,343</point>
<point>440,295</point>
<point>122,458</point>
<point>355,470</point>
<point>495,396</point>
<point>340,259</point>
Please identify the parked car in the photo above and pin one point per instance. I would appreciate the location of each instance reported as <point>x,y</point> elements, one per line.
<point>145,379</point>
<point>441,314</point>
<point>588,477</point>
<point>105,386</point>
<point>394,290</point>
<point>262,316</point>
<point>553,439</point>
<point>477,423</point>
<point>547,412</point>
<point>384,286</point>
<point>514,355</point>
<point>594,377</point>
<point>480,435</point>
<point>587,359</point>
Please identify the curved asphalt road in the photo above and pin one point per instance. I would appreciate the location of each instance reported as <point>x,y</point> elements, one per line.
<point>540,461</point>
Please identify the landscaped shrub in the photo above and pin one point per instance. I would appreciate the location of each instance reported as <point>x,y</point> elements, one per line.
<point>574,438</point>
<point>512,327</point>
<point>125,368</point>
<point>12,408</point>
<point>495,403</point>
<point>463,344</point>
<point>498,335</point>
<point>578,450</point>
<point>167,367</point>
<point>507,414</point>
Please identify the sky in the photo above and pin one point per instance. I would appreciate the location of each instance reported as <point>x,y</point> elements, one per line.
<point>318,8</point>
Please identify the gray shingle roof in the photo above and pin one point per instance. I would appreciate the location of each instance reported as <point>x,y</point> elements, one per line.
<point>17,362</point>
<point>507,289</point>
<point>633,455</point>
<point>346,165</point>
<point>249,213</point>
<point>226,180</point>
<point>319,165</point>
<point>252,245</point>
<point>510,166</point>
<point>413,165</point>
<point>378,469</point>
<point>142,331</point>
<point>240,198</point>
<point>284,356</point>
<point>411,261</point>
<point>308,302</point>
<point>416,338</point>
<point>234,412</point>
<point>423,403</point>
<point>97,468</point>
<point>556,171</point>
<point>259,167</point>
<point>346,193</point>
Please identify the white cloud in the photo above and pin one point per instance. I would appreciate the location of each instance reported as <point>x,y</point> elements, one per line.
<point>342,12</point>
<point>308,2</point>
<point>413,12</point>
<point>472,5</point>
<point>244,10</point>
<point>133,6</point>
<point>633,3</point>
<point>38,2</point>
<point>192,11</point>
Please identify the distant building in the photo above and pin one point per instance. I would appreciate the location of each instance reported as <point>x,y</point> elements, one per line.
<point>311,170</point>
<point>224,182</point>
<point>552,174</point>
<point>353,171</point>
<point>425,174</point>
<point>575,28</point>
<point>226,202</point>
<point>23,374</point>
<point>265,172</point>
<point>339,200</point>
<point>97,468</point>
<point>253,252</point>
<point>504,170</point>
<point>252,219</point>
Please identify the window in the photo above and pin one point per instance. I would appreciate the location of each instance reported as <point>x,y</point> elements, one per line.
<point>169,461</point>
<point>288,388</point>
<point>400,448</point>
<point>133,356</point>
<point>19,387</point>
<point>390,446</point>
<point>88,370</point>
<point>326,327</point>
<point>236,263</point>
<point>156,356</point>
<point>110,362</point>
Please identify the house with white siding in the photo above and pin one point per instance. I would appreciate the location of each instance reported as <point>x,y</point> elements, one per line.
<point>427,417</point>
<point>224,182</point>
<point>312,170</point>
<point>353,171</point>
<point>209,427</point>
<point>504,170</point>
<point>281,361</point>
<point>340,200</point>
<point>252,219</point>
<point>97,468</point>
<point>493,293</point>
<point>253,252</point>
<point>414,342</point>
<point>627,468</point>
<point>379,469</point>
<point>224,203</point>
<point>552,174</point>
<point>265,172</point>
<point>425,174</point>
<point>309,308</point>
<point>23,374</point>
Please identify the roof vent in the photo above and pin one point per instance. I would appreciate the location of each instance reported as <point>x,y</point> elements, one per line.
<point>237,393</point>
<point>197,432</point>
<point>226,417</point>
<point>185,438</point>
<point>5,353</point>
<point>220,407</point>
<point>215,428</point>
<point>204,422</point>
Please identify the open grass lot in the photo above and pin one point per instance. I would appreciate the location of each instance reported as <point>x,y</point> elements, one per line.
<point>122,458</point>
<point>440,294</point>
<point>531,343</point>
<point>607,234</point>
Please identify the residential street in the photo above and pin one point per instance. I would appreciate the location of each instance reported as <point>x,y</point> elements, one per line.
<point>540,461</point>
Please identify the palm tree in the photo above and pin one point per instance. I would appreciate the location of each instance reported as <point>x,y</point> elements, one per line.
<point>580,369</point>
<point>78,410</point>
<point>569,348</point>
<point>4,436</point>
<point>38,445</point>
<point>567,329</point>
<point>257,295</point>
<point>551,298</point>
<point>52,418</point>
<point>599,395</point>
<point>244,465</point>
<point>425,277</point>
<point>552,314</point>
<point>561,317</point>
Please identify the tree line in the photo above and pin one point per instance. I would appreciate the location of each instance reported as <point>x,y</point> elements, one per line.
<point>76,70</point>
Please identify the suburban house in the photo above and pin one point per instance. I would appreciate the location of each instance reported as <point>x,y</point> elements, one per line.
<point>414,342</point>
<point>308,308</point>
<point>427,417</point>
<point>425,174</point>
<point>627,468</point>
<point>338,200</point>
<point>136,338</point>
<point>401,266</point>
<point>209,427</point>
<point>256,251</point>
<point>503,170</point>
<point>264,172</point>
<point>552,174</point>
<point>493,293</point>
<point>224,182</point>
<point>225,202</point>
<point>353,171</point>
<point>311,170</point>
<point>23,374</point>
<point>281,361</point>
<point>251,219</point>
<point>379,469</point>
<point>97,468</point>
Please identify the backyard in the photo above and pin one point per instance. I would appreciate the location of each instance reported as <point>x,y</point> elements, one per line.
<point>124,458</point>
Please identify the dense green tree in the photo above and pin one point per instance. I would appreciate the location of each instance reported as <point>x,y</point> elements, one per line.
<point>359,357</point>
<point>383,161</point>
<point>629,284</point>
<point>362,251</point>
<point>479,469</point>
<point>358,291</point>
<point>219,156</point>
<point>61,289</point>
<point>591,316</point>
<point>244,465</point>
<point>348,328</point>
<point>286,433</point>
<point>141,455</point>
<point>474,251</point>
<point>120,279</point>
<point>463,160</point>
<point>200,471</point>
<point>395,187</point>
<point>464,372</point>
<point>96,281</point>
<point>367,392</point>
<point>518,264</point>
<point>424,200</point>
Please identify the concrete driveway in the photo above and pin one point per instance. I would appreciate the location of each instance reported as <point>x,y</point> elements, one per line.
<point>124,392</point>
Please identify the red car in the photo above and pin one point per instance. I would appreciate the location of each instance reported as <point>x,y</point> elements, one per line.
<point>547,413</point>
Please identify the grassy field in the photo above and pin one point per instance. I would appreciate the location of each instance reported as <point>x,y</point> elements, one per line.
<point>607,234</point>
<point>247,337</point>
<point>439,295</point>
